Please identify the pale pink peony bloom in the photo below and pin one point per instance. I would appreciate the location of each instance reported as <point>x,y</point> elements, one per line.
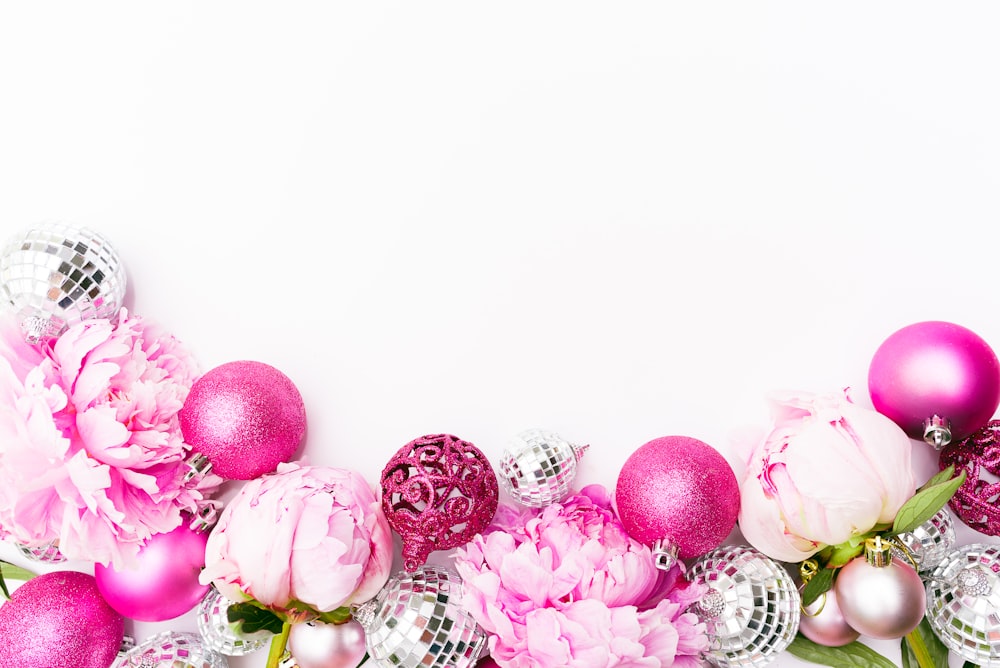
<point>310,534</point>
<point>91,452</point>
<point>566,586</point>
<point>827,470</point>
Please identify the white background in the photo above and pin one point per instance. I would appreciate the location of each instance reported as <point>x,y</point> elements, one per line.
<point>615,221</point>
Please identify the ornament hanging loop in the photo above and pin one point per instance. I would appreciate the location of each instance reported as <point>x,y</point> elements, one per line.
<point>937,431</point>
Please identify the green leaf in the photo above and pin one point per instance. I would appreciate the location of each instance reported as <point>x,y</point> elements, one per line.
<point>12,572</point>
<point>940,477</point>
<point>817,585</point>
<point>844,553</point>
<point>253,618</point>
<point>935,649</point>
<point>922,505</point>
<point>850,655</point>
<point>338,616</point>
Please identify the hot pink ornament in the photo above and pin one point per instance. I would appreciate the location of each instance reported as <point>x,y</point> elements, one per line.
<point>938,381</point>
<point>679,496</point>
<point>975,502</point>
<point>59,620</point>
<point>163,583</point>
<point>245,417</point>
<point>437,493</point>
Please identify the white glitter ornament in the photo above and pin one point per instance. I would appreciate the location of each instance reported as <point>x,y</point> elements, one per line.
<point>172,649</point>
<point>538,467</point>
<point>55,276</point>
<point>221,635</point>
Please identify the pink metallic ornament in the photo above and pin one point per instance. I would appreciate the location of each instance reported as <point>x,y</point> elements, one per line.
<point>245,417</point>
<point>824,623</point>
<point>438,492</point>
<point>937,380</point>
<point>678,495</point>
<point>318,645</point>
<point>163,583</point>
<point>59,620</point>
<point>975,502</point>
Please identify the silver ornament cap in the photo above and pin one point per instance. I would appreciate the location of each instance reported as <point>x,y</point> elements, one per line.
<point>963,603</point>
<point>538,467</point>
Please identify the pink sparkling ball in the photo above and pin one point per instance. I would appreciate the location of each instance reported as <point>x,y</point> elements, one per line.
<point>681,490</point>
<point>245,417</point>
<point>935,368</point>
<point>59,620</point>
<point>163,583</point>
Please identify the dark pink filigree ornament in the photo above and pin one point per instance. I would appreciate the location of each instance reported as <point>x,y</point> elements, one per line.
<point>438,492</point>
<point>977,501</point>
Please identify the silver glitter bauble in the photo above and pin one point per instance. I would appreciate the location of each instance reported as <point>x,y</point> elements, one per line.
<point>172,649</point>
<point>55,276</point>
<point>963,603</point>
<point>928,544</point>
<point>416,621</point>
<point>751,610</point>
<point>221,635</point>
<point>538,467</point>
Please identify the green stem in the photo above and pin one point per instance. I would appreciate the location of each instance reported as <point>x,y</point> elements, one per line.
<point>920,652</point>
<point>278,643</point>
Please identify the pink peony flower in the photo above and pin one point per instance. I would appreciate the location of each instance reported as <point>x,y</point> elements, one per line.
<point>826,471</point>
<point>307,534</point>
<point>566,586</point>
<point>91,453</point>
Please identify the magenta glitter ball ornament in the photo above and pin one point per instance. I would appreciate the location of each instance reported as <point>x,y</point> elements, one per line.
<point>824,623</point>
<point>318,645</point>
<point>937,380</point>
<point>59,620</point>
<point>679,496</point>
<point>438,492</point>
<point>245,417</point>
<point>163,583</point>
<point>975,502</point>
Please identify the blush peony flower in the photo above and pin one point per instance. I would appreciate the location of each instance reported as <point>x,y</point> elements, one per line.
<point>91,452</point>
<point>566,586</point>
<point>826,471</point>
<point>306,535</point>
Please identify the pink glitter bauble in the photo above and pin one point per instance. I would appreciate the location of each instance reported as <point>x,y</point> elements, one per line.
<point>680,493</point>
<point>245,417</point>
<point>437,493</point>
<point>931,370</point>
<point>163,583</point>
<point>59,620</point>
<point>975,502</point>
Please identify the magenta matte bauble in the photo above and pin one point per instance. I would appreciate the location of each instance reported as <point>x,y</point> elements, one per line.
<point>678,489</point>
<point>59,620</point>
<point>824,623</point>
<point>318,645</point>
<point>163,583</point>
<point>245,417</point>
<point>884,602</point>
<point>932,369</point>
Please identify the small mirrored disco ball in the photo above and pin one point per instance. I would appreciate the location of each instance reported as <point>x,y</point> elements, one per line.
<point>219,634</point>
<point>963,603</point>
<point>928,544</point>
<point>47,553</point>
<point>538,467</point>
<point>751,609</point>
<point>172,649</point>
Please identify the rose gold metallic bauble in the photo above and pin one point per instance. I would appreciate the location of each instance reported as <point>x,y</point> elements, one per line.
<point>824,623</point>
<point>318,645</point>
<point>883,602</point>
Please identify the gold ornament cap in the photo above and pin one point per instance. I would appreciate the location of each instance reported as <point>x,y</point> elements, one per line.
<point>878,553</point>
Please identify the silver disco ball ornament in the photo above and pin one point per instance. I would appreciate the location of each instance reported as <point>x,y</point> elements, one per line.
<point>928,544</point>
<point>416,621</point>
<point>46,553</point>
<point>221,635</point>
<point>172,649</point>
<point>963,603</point>
<point>751,609</point>
<point>538,467</point>
<point>55,276</point>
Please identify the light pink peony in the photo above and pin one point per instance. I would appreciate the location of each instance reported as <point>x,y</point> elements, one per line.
<point>91,452</point>
<point>566,586</point>
<point>826,471</point>
<point>308,534</point>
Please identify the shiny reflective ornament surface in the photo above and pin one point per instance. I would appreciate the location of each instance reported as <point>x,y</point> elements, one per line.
<point>879,596</point>
<point>47,553</point>
<point>975,502</point>
<point>928,544</point>
<point>751,610</point>
<point>416,621</point>
<point>537,468</point>
<point>54,276</point>
<point>937,380</point>
<point>172,649</point>
<point>318,645</point>
<point>963,603</point>
<point>221,635</point>
<point>824,623</point>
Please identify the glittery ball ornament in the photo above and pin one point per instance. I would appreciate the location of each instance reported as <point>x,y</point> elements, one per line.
<point>538,467</point>
<point>928,544</point>
<point>751,609</point>
<point>59,620</point>
<point>54,276</point>
<point>245,417</point>
<point>417,621</point>
<point>172,649</point>
<point>976,501</point>
<point>679,496</point>
<point>963,603</point>
<point>437,493</point>
<point>221,635</point>
<point>937,380</point>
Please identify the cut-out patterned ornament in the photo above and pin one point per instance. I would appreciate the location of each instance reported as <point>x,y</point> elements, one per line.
<point>975,502</point>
